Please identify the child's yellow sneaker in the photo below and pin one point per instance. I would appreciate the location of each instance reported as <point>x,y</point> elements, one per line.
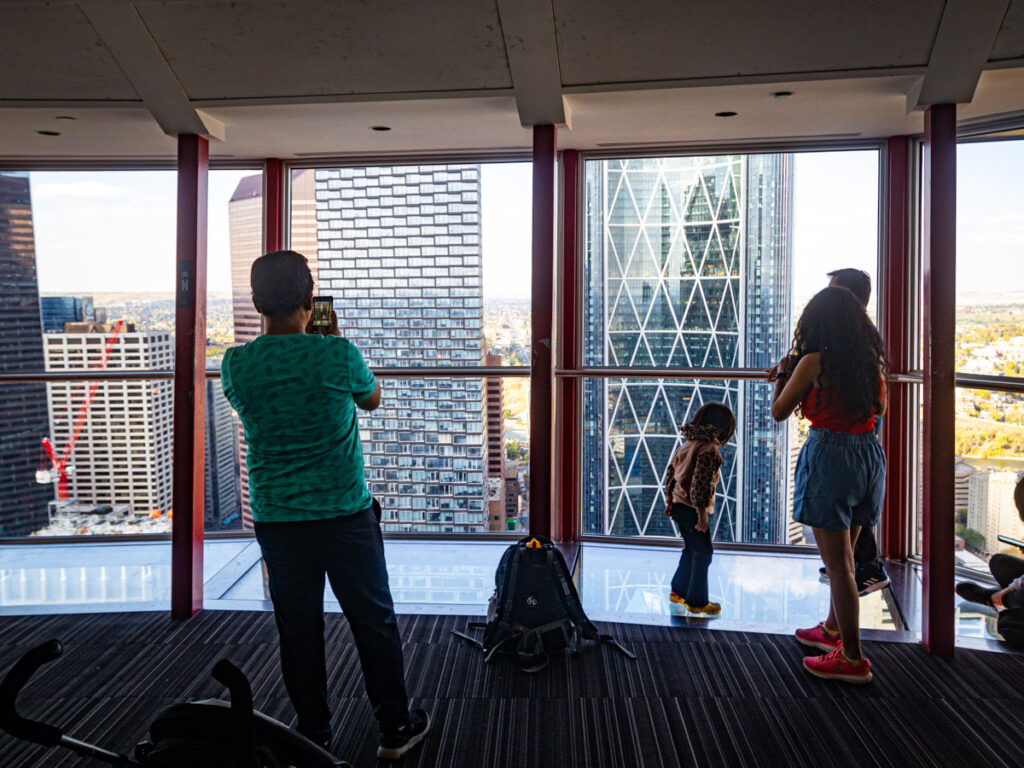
<point>674,598</point>
<point>711,609</point>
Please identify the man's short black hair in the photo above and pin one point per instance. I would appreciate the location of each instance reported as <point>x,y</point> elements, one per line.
<point>280,282</point>
<point>856,281</point>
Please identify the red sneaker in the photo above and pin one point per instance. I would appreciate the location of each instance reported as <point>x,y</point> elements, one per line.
<point>835,666</point>
<point>817,637</point>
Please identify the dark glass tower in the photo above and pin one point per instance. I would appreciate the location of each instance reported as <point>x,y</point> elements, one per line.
<point>23,414</point>
<point>688,266</point>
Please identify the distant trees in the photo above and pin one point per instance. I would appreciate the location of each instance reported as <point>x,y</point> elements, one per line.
<point>975,541</point>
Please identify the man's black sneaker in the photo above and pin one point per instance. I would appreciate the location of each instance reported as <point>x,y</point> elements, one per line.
<point>396,744</point>
<point>823,574</point>
<point>871,578</point>
<point>975,593</point>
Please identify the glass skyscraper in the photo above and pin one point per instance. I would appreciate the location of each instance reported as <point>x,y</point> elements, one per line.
<point>399,249</point>
<point>688,265</point>
<point>23,414</point>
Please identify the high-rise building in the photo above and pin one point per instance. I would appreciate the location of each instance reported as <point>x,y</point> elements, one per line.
<point>512,491</point>
<point>58,310</point>
<point>223,503</point>
<point>123,450</point>
<point>399,249</point>
<point>689,264</point>
<point>245,223</point>
<point>990,507</point>
<point>23,422</point>
<point>495,430</point>
<point>963,471</point>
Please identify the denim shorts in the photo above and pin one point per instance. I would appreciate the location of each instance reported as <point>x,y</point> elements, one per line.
<point>840,480</point>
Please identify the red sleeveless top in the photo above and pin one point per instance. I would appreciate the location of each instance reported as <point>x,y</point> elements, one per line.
<point>825,412</point>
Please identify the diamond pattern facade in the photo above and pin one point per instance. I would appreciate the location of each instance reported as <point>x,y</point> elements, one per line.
<point>671,262</point>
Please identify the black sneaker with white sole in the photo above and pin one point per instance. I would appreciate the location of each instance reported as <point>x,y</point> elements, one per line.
<point>975,593</point>
<point>871,578</point>
<point>823,574</point>
<point>396,744</point>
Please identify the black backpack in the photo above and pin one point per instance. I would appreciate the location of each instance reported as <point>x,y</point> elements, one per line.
<point>535,611</point>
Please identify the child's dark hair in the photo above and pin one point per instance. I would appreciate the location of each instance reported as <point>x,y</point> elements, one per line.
<point>280,282</point>
<point>717,415</point>
<point>834,325</point>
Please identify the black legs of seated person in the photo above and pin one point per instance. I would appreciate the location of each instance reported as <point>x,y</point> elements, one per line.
<point>349,551</point>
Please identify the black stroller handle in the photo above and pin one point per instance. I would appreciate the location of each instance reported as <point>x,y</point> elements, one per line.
<point>243,724</point>
<point>13,682</point>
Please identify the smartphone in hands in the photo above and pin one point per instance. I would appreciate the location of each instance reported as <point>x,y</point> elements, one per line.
<point>1012,542</point>
<point>322,308</point>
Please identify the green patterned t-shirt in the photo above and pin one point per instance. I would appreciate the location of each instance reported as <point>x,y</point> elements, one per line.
<point>296,395</point>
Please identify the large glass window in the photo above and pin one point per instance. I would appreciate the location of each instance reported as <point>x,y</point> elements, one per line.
<point>990,241</point>
<point>429,267</point>
<point>706,262</point>
<point>88,266</point>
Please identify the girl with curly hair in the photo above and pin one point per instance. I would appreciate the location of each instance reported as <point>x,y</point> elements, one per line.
<point>834,375</point>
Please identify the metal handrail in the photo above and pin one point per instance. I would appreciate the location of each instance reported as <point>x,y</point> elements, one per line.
<point>611,372</point>
<point>423,372</point>
<point>963,380</point>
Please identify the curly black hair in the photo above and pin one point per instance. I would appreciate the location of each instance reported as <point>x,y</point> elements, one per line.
<point>835,325</point>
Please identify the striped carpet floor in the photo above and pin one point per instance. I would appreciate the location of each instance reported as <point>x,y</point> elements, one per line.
<point>693,697</point>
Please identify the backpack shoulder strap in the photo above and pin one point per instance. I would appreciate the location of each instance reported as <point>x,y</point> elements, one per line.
<point>569,596</point>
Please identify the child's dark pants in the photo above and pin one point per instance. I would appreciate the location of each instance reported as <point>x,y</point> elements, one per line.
<point>690,581</point>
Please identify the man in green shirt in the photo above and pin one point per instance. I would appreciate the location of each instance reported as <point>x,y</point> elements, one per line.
<point>296,393</point>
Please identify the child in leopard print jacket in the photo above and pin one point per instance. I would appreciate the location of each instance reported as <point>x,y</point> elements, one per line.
<point>690,484</point>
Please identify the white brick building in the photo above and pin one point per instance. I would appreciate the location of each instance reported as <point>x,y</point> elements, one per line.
<point>399,249</point>
<point>123,452</point>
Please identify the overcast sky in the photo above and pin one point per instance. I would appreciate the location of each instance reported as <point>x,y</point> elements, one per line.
<point>114,231</point>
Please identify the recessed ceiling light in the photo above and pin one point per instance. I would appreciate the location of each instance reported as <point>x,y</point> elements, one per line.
<point>380,127</point>
<point>725,114</point>
<point>48,133</point>
<point>65,117</point>
<point>782,94</point>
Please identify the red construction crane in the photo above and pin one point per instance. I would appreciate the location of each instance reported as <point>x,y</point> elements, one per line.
<point>59,469</point>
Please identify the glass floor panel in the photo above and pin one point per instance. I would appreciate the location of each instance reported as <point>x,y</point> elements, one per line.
<point>624,583</point>
<point>758,591</point>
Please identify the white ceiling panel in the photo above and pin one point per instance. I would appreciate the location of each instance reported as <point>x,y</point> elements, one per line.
<point>51,52</point>
<point>245,50</point>
<point>605,41</point>
<point>1010,40</point>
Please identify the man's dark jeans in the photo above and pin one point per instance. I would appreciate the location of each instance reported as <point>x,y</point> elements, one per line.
<point>349,550</point>
<point>690,580</point>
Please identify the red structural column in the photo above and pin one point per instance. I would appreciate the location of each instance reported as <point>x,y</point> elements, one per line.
<point>273,204</point>
<point>189,378</point>
<point>542,307</point>
<point>939,275</point>
<point>567,438</point>
<point>895,322</point>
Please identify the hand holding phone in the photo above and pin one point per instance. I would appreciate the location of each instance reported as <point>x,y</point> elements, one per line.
<point>323,314</point>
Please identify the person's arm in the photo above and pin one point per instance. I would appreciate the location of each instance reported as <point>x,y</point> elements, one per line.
<point>348,373</point>
<point>670,481</point>
<point>792,388</point>
<point>1012,596</point>
<point>701,488</point>
<point>365,387</point>
<point>372,402</point>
